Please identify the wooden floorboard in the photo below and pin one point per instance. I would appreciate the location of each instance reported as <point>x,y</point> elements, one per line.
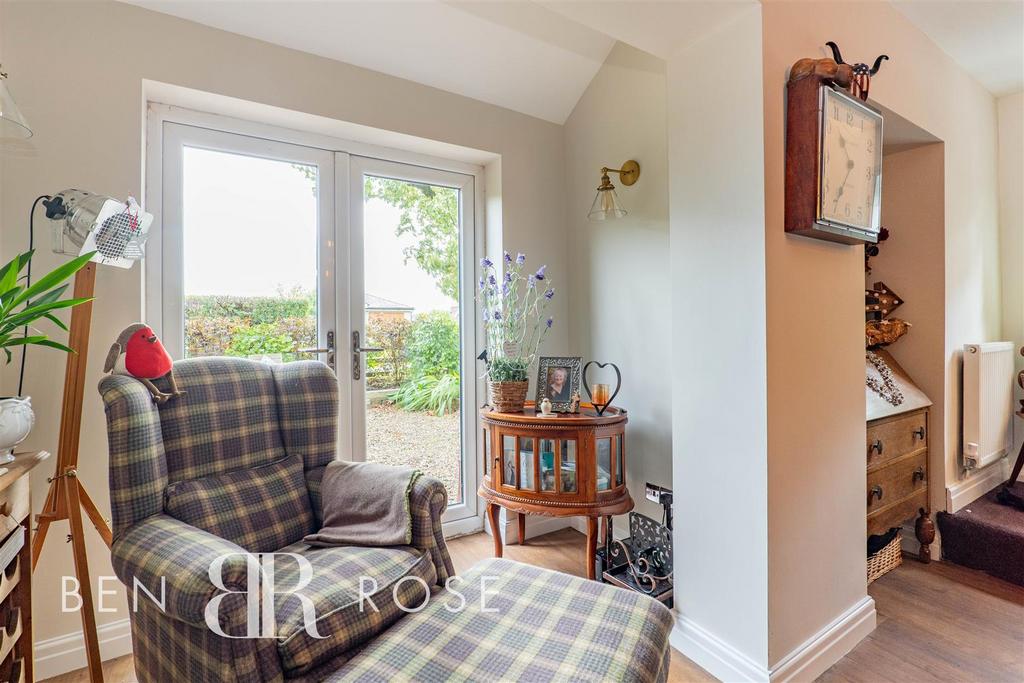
<point>936,622</point>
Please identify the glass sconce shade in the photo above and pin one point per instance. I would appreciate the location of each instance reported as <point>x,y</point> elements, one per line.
<point>12,123</point>
<point>606,205</point>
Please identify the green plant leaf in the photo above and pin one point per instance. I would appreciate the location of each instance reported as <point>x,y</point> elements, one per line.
<point>33,313</point>
<point>56,321</point>
<point>55,345</point>
<point>54,277</point>
<point>9,273</point>
<point>21,341</point>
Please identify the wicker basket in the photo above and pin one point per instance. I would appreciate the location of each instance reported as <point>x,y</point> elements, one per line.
<point>507,397</point>
<point>886,559</point>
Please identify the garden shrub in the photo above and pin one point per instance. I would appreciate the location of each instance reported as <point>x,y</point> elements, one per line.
<point>433,346</point>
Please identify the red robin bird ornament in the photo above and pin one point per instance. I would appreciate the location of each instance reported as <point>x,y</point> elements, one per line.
<point>138,353</point>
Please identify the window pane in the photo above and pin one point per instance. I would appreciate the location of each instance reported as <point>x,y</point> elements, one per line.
<point>568,466</point>
<point>508,460</point>
<point>411,235</point>
<point>250,255</point>
<point>604,464</point>
<point>526,462</point>
<point>547,465</point>
<point>487,452</point>
<point>618,461</point>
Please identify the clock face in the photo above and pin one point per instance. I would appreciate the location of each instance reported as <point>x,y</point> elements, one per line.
<point>851,162</point>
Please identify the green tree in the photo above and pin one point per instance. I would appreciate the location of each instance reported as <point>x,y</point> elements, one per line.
<point>430,214</point>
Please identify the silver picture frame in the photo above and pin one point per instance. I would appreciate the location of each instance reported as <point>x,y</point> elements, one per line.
<point>560,393</point>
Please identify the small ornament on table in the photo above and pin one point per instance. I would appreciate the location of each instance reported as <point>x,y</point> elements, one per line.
<point>574,404</point>
<point>545,407</point>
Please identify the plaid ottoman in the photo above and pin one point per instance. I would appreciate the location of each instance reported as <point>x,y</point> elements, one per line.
<point>539,625</point>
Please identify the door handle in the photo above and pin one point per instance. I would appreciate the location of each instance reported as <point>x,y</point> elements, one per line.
<point>876,490</point>
<point>357,349</point>
<point>876,446</point>
<point>329,350</point>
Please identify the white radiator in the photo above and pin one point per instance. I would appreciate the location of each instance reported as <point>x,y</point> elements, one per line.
<point>987,403</point>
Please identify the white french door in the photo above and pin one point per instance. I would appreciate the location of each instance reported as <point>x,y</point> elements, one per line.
<point>411,273</point>
<point>280,251</point>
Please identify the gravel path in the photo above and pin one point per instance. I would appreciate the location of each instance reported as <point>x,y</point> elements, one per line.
<point>430,443</point>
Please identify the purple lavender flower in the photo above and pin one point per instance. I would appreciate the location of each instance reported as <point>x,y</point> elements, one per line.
<point>490,278</point>
<point>520,259</point>
<point>497,315</point>
<point>486,262</point>
<point>549,322</point>
<point>487,315</point>
<point>531,282</point>
<point>508,277</point>
<point>540,272</point>
<point>504,288</point>
<point>482,283</point>
<point>550,294</point>
<point>508,257</point>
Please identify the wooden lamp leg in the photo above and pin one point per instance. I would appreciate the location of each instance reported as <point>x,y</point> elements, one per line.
<point>92,647</point>
<point>67,497</point>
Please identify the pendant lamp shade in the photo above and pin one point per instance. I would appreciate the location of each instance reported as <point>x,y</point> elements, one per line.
<point>12,123</point>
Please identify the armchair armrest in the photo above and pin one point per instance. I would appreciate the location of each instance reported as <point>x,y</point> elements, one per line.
<point>427,502</point>
<point>171,560</point>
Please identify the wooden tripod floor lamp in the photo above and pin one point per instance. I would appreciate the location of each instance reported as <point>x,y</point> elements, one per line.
<point>116,231</point>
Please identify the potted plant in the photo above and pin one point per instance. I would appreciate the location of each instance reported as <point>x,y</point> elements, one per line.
<point>20,308</point>
<point>515,323</point>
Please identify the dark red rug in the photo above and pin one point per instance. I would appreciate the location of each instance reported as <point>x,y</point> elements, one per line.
<point>987,536</point>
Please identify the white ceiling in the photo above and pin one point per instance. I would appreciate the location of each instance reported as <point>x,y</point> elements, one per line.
<point>985,38</point>
<point>539,57</point>
<point>517,55</point>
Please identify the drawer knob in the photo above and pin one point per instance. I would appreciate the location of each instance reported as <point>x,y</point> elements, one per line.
<point>918,474</point>
<point>876,490</point>
<point>876,446</point>
<point>919,433</point>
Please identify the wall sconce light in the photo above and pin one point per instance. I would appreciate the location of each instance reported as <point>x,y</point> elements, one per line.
<point>12,123</point>
<point>606,204</point>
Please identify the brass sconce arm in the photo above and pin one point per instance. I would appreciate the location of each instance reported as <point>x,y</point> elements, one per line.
<point>628,174</point>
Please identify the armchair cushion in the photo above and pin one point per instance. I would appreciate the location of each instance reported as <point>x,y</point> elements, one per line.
<point>163,551</point>
<point>260,509</point>
<point>387,577</point>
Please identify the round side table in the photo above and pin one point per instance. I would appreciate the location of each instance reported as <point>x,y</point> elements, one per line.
<point>565,465</point>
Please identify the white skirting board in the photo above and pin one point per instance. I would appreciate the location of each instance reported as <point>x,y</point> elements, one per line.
<point>805,663</point>
<point>968,490</point>
<point>56,656</point>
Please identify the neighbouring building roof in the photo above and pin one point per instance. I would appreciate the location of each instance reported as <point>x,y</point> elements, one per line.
<point>379,303</point>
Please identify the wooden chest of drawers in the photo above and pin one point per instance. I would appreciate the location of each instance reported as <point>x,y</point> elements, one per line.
<point>897,474</point>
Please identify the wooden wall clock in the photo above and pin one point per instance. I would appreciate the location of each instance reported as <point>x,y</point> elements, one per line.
<point>833,155</point>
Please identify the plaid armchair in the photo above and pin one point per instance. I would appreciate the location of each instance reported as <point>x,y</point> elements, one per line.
<point>232,468</point>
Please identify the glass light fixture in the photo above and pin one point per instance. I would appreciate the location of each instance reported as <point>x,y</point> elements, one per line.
<point>12,123</point>
<point>606,204</point>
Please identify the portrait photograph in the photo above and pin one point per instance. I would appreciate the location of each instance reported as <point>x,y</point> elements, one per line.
<point>558,380</point>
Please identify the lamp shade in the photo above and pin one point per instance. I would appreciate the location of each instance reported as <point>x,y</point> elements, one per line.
<point>12,123</point>
<point>606,205</point>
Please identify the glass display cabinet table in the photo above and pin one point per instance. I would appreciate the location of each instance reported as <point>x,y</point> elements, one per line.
<point>565,465</point>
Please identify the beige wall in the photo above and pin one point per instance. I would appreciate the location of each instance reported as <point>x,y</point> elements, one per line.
<point>719,465</point>
<point>620,269</point>
<point>815,376</point>
<point>80,68</point>
<point>913,262</point>
<point>1011,230</point>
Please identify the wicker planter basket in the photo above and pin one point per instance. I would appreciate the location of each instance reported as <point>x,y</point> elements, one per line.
<point>507,397</point>
<point>886,559</point>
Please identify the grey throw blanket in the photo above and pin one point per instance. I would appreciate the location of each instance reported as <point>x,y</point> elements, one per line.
<point>365,503</point>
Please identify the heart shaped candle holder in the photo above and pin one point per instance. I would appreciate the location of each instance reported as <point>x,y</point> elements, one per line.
<point>601,407</point>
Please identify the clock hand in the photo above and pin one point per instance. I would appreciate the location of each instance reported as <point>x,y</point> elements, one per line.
<point>842,186</point>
